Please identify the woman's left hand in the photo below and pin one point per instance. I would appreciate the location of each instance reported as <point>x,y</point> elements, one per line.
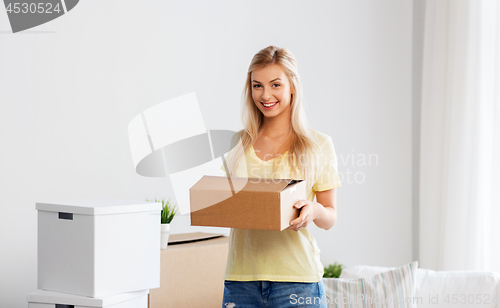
<point>308,212</point>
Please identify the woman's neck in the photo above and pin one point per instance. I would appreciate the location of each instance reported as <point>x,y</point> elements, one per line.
<point>276,127</point>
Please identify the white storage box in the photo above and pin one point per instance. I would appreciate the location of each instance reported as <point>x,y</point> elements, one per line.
<point>98,247</point>
<point>48,299</point>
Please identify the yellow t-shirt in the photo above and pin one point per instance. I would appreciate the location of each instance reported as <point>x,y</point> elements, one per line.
<point>280,255</point>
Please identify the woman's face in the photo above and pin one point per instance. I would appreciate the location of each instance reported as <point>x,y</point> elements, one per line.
<point>271,90</point>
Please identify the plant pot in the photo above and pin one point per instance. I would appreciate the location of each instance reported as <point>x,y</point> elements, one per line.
<point>165,232</point>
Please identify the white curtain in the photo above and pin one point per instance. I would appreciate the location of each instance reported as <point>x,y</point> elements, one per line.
<point>460,136</point>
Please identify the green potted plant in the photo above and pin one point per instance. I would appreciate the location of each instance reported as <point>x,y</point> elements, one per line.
<point>333,270</point>
<point>168,211</point>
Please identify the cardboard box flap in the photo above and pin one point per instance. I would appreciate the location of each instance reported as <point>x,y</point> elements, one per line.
<point>208,182</point>
<point>214,183</point>
<point>98,206</point>
<point>182,238</point>
<point>271,185</point>
<point>292,182</point>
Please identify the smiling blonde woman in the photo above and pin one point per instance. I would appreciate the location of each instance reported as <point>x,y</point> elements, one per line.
<point>280,268</point>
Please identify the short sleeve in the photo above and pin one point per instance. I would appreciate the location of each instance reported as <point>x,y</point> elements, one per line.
<point>328,177</point>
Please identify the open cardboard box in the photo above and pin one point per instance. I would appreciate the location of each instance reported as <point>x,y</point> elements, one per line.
<point>247,203</point>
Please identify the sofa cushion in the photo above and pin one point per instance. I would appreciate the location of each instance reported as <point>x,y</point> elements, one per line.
<point>361,271</point>
<point>393,288</point>
<point>465,289</point>
<point>436,289</point>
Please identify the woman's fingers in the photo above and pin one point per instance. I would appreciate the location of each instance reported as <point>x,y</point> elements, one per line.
<point>300,204</point>
<point>301,221</point>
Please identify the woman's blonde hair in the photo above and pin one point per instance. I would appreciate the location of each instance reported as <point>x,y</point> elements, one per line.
<point>304,149</point>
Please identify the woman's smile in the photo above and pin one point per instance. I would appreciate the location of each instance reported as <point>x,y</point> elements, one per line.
<point>269,105</point>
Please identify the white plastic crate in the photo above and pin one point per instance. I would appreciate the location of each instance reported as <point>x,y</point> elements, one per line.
<point>48,299</point>
<point>98,247</point>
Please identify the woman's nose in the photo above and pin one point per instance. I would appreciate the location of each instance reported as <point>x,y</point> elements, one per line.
<point>266,95</point>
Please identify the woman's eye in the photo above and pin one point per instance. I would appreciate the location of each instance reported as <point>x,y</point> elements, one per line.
<point>276,84</point>
<point>256,85</point>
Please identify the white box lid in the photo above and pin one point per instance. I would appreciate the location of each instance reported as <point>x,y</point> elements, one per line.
<point>98,206</point>
<point>49,297</point>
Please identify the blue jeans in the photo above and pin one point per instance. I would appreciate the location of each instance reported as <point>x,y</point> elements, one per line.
<point>270,294</point>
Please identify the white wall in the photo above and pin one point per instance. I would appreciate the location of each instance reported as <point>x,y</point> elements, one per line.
<point>68,89</point>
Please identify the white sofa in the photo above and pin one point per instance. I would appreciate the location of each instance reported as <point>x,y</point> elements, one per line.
<point>434,289</point>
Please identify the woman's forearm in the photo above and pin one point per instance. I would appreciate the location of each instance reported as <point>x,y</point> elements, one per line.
<point>326,217</point>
